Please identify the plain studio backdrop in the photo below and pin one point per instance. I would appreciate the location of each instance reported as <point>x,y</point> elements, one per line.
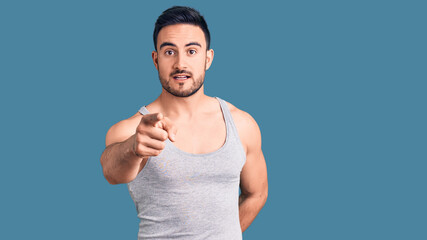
<point>338,89</point>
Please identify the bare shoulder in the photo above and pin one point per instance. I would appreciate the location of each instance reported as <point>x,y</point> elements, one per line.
<point>247,127</point>
<point>241,118</point>
<point>122,130</point>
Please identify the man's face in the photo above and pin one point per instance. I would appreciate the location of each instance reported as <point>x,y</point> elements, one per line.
<point>182,59</point>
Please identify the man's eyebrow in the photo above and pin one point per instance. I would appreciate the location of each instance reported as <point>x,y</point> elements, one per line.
<point>193,43</point>
<point>173,45</point>
<point>167,44</point>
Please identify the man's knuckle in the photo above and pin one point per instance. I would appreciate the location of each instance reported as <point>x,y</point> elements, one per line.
<point>138,149</point>
<point>154,153</point>
<point>139,138</point>
<point>164,136</point>
<point>140,128</point>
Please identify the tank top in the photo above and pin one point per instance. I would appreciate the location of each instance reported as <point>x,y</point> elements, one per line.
<point>180,195</point>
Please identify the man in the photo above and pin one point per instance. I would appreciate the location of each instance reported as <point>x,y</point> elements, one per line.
<point>184,155</point>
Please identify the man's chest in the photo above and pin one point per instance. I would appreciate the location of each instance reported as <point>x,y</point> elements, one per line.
<point>203,136</point>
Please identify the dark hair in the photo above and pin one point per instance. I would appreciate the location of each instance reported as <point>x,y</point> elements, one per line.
<point>179,14</point>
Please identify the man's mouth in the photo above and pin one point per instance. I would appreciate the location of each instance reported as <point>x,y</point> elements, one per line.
<point>181,77</point>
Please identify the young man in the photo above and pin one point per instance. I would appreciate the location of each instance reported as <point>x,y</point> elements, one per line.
<point>184,155</point>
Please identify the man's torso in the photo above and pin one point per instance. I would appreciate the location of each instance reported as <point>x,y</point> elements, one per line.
<point>181,194</point>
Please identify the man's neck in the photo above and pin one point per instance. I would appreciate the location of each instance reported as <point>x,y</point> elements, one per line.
<point>173,106</point>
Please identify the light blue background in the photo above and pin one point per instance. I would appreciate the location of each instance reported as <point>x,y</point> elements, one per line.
<point>338,89</point>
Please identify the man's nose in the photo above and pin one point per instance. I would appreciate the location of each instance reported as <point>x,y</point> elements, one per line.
<point>180,62</point>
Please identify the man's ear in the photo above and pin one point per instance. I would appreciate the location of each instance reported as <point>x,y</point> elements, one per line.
<point>155,61</point>
<point>209,58</point>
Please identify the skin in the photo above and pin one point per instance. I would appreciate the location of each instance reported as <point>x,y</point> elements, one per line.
<point>181,110</point>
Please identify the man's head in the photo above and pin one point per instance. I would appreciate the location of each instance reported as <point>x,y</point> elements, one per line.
<point>178,14</point>
<point>182,55</point>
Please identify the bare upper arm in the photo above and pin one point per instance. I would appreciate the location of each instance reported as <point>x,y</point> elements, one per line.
<point>122,130</point>
<point>253,178</point>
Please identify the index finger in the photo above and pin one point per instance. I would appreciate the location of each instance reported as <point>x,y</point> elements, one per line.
<point>152,118</point>
<point>170,127</point>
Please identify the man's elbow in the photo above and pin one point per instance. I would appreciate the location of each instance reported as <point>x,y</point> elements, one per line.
<point>107,174</point>
<point>111,181</point>
<point>259,197</point>
<point>114,180</point>
<point>263,197</point>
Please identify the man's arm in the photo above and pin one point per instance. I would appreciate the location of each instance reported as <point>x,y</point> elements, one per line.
<point>119,162</point>
<point>253,178</point>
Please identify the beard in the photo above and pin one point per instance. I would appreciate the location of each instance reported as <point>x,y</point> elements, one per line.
<point>195,86</point>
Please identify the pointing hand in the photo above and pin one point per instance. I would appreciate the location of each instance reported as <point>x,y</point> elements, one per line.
<point>151,134</point>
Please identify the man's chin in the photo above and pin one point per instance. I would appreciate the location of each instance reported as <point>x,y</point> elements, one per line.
<point>183,93</point>
<point>178,93</point>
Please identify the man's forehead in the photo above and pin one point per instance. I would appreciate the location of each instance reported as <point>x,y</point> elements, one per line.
<point>181,34</point>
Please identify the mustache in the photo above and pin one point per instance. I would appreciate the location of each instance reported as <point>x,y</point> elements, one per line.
<point>180,72</point>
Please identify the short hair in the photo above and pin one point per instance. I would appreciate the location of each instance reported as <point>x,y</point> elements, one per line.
<point>180,14</point>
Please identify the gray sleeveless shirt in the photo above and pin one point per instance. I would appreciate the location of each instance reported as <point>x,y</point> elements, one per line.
<point>180,195</point>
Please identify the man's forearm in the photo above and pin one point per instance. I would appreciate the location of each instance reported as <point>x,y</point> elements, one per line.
<point>119,163</point>
<point>249,207</point>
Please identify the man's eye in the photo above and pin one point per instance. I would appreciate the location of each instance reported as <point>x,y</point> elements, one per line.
<point>192,52</point>
<point>169,52</point>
